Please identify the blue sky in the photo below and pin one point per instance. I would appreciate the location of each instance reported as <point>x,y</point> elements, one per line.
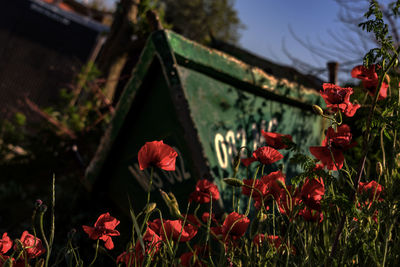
<point>267,27</point>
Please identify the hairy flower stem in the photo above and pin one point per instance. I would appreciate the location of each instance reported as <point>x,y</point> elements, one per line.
<point>366,145</point>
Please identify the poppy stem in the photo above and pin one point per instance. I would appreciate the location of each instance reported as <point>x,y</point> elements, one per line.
<point>71,247</point>
<point>150,184</point>
<point>95,255</point>
<point>252,190</point>
<point>48,250</point>
<point>52,229</point>
<point>388,237</point>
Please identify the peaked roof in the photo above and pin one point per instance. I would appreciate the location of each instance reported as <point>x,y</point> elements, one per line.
<point>277,70</point>
<point>173,51</point>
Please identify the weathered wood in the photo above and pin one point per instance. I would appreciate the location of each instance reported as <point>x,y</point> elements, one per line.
<point>118,44</point>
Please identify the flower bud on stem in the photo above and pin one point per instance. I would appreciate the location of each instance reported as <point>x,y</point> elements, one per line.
<point>234,182</point>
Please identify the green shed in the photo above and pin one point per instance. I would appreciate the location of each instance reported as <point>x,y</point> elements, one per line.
<point>204,103</point>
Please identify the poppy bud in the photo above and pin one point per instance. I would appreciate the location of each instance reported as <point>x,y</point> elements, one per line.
<point>174,207</point>
<point>261,216</point>
<point>165,197</point>
<point>379,168</point>
<point>150,207</point>
<point>317,109</point>
<point>236,163</point>
<point>38,203</point>
<point>43,208</point>
<point>172,204</point>
<point>280,183</point>
<point>234,182</point>
<point>71,233</point>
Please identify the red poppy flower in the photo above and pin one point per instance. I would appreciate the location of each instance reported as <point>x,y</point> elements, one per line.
<point>152,243</point>
<point>337,97</point>
<point>312,192</point>
<point>129,258</point>
<point>32,246</point>
<point>337,142</point>
<point>268,186</point>
<point>19,263</point>
<point>157,154</point>
<point>203,190</point>
<point>246,162</point>
<point>190,218</point>
<point>260,186</point>
<point>259,239</point>
<point>5,244</point>
<point>267,155</point>
<point>274,182</point>
<point>103,229</point>
<point>235,226</point>
<point>318,167</point>
<point>276,140</point>
<point>274,240</point>
<point>372,189</point>
<point>155,225</point>
<point>187,259</point>
<point>206,216</point>
<point>370,80</point>
<point>173,230</point>
<point>311,215</point>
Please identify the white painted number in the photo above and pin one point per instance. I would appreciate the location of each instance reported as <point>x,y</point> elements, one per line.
<point>226,149</point>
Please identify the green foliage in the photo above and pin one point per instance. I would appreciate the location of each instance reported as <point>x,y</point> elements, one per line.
<point>196,19</point>
<point>356,227</point>
<point>380,29</point>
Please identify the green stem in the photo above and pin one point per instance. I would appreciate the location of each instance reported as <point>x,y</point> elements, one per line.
<point>273,218</point>
<point>150,184</point>
<point>388,237</point>
<point>95,255</point>
<point>46,243</point>
<point>252,189</point>
<point>340,116</point>
<point>383,148</point>
<point>170,250</point>
<point>52,229</point>
<point>233,197</point>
